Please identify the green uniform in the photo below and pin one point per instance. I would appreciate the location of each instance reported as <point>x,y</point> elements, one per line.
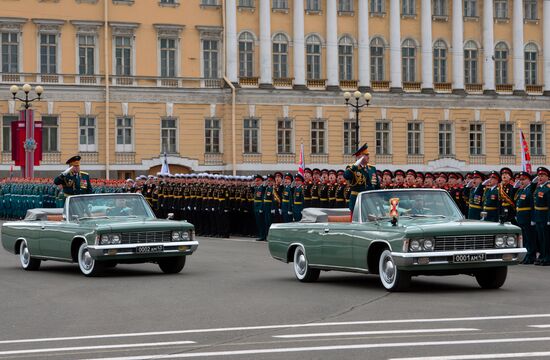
<point>360,178</point>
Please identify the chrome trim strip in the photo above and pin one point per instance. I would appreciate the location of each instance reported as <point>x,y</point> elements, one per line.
<point>53,258</point>
<point>463,252</point>
<point>133,246</point>
<point>339,268</point>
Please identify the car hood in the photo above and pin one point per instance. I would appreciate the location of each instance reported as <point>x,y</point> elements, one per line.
<point>121,224</point>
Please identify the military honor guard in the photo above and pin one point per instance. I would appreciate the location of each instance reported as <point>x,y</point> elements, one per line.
<point>523,200</point>
<point>491,199</point>
<point>74,181</point>
<point>541,215</point>
<point>361,175</point>
<point>298,197</point>
<point>286,198</point>
<point>475,199</point>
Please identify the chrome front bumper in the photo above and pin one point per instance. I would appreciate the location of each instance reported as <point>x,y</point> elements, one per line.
<point>176,247</point>
<point>414,259</point>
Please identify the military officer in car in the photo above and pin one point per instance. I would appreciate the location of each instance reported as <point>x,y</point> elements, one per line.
<point>361,175</point>
<point>74,181</point>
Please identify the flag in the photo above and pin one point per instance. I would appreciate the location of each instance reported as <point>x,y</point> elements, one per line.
<point>302,164</point>
<point>164,169</point>
<point>525,156</point>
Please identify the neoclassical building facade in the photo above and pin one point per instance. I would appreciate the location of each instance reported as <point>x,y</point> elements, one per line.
<point>239,85</point>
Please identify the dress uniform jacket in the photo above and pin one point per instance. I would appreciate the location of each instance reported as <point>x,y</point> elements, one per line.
<point>507,206</point>
<point>323,195</point>
<point>259,211</point>
<point>298,202</point>
<point>340,195</point>
<point>491,204</point>
<point>286,206</point>
<point>360,178</point>
<point>523,199</point>
<point>75,184</point>
<point>475,202</point>
<point>541,217</point>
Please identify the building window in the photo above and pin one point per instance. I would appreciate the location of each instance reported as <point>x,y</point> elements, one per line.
<point>377,59</point>
<point>440,62</point>
<point>124,134</point>
<point>10,52</point>
<point>212,132</point>
<point>280,56</point>
<point>87,134</point>
<point>536,139</point>
<point>531,54</point>
<point>168,51</point>
<point>318,136</point>
<point>50,128</point>
<point>48,53</point>
<point>476,139</point>
<point>506,139</point>
<point>313,57</point>
<point>246,3</point>
<point>6,132</point>
<point>470,8</point>
<point>209,2</point>
<point>345,5</point>
<point>408,7</point>
<point>501,63</point>
<point>345,58</point>
<point>169,135</point>
<point>383,132</point>
<point>123,55</point>
<point>445,139</point>
<point>210,59</point>
<point>170,2</point>
<point>470,63</point>
<point>284,136</point>
<point>280,4</point>
<point>86,54</point>
<point>349,137</point>
<point>501,9</point>
<point>246,54</point>
<point>251,135</point>
<point>408,52</point>
<point>313,5</point>
<point>377,6</point>
<point>414,138</point>
<point>439,7</point>
<point>530,9</point>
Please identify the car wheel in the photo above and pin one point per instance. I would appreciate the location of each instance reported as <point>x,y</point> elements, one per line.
<point>492,278</point>
<point>303,272</point>
<point>87,264</point>
<point>172,265</point>
<point>391,276</point>
<point>27,261</point>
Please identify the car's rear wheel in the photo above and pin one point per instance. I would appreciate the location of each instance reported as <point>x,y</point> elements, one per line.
<point>172,265</point>
<point>302,270</point>
<point>87,264</point>
<point>27,261</point>
<point>492,278</point>
<point>391,277</point>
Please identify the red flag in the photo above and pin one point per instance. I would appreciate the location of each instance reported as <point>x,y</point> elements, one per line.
<point>525,156</point>
<point>302,165</point>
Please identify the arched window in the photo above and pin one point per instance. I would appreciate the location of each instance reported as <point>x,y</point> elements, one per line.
<point>470,62</point>
<point>313,57</point>
<point>280,56</point>
<point>408,52</point>
<point>377,59</point>
<point>501,63</point>
<point>345,58</point>
<point>246,55</point>
<point>531,54</point>
<point>440,62</point>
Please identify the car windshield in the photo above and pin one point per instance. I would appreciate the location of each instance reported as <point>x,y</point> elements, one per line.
<point>98,206</point>
<point>377,205</point>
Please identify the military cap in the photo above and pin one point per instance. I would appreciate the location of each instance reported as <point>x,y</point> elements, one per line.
<point>526,174</point>
<point>459,176</point>
<point>324,171</point>
<point>387,172</point>
<point>75,160</point>
<point>160,175</point>
<point>288,176</point>
<point>150,176</point>
<point>316,171</point>
<point>411,172</point>
<point>332,171</point>
<point>506,170</point>
<point>270,176</point>
<point>399,172</point>
<point>452,176</point>
<point>542,170</point>
<point>130,180</point>
<point>340,172</point>
<point>278,173</point>
<point>299,176</point>
<point>442,175</point>
<point>420,175</point>
<point>307,170</point>
<point>363,150</point>
<point>494,174</point>
<point>378,172</point>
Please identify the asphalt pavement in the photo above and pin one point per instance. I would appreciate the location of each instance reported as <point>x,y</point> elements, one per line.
<point>233,301</point>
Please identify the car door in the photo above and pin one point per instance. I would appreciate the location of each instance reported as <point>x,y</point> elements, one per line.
<point>337,244</point>
<point>56,239</point>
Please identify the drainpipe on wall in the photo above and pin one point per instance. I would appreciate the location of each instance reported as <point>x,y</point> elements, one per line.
<point>233,98</point>
<point>107,89</point>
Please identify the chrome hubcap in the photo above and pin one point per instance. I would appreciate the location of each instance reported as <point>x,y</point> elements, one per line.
<point>388,269</point>
<point>25,255</point>
<point>86,260</point>
<point>301,263</point>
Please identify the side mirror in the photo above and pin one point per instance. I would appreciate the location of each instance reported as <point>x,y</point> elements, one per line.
<point>170,216</point>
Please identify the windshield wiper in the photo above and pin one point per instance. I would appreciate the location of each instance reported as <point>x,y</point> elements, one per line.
<point>426,216</point>
<point>93,217</point>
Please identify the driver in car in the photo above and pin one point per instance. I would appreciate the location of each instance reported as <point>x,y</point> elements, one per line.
<point>418,206</point>
<point>120,208</point>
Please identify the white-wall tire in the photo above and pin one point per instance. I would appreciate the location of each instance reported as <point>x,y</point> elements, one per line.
<point>302,270</point>
<point>27,261</point>
<point>87,264</point>
<point>391,277</point>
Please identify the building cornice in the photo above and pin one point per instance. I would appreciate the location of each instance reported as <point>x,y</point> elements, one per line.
<point>11,24</point>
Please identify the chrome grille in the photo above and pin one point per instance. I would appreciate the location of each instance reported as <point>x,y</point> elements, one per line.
<point>466,242</point>
<point>146,237</point>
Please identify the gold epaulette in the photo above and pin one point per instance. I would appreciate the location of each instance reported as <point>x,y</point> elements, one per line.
<point>84,173</point>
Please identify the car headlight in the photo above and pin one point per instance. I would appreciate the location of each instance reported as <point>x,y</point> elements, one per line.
<point>185,235</point>
<point>428,245</point>
<point>511,241</point>
<point>176,235</point>
<point>415,245</point>
<point>104,239</point>
<point>499,241</point>
<point>115,239</point>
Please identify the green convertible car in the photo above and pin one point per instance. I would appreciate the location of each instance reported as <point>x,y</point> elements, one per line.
<point>398,234</point>
<point>98,232</point>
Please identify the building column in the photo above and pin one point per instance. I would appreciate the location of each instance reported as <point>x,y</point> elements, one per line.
<point>518,49</point>
<point>231,44</point>
<point>488,48</point>
<point>266,70</point>
<point>364,47</point>
<point>427,48</point>
<point>332,46</point>
<point>299,46</point>
<point>546,45</point>
<point>396,76</point>
<point>458,48</point>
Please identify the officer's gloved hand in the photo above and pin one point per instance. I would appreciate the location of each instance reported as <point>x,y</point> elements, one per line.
<point>226,211</point>
<point>273,211</point>
<point>359,161</point>
<point>532,223</point>
<point>280,212</point>
<point>289,213</point>
<point>261,211</point>
<point>67,171</point>
<point>212,209</point>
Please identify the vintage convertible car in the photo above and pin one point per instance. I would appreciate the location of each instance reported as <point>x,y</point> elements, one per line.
<point>99,231</point>
<point>398,234</point>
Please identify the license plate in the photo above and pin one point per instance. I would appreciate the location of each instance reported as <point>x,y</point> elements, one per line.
<point>149,249</point>
<point>464,258</point>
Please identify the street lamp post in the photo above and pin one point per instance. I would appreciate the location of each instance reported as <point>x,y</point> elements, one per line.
<point>26,115</point>
<point>357,108</point>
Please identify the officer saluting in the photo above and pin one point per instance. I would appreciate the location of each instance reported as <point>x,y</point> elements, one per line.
<point>361,175</point>
<point>74,181</point>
